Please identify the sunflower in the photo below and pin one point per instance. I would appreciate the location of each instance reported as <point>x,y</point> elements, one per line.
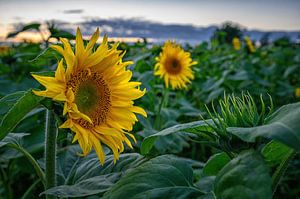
<point>250,45</point>
<point>174,66</point>
<point>297,92</point>
<point>97,94</point>
<point>4,50</point>
<point>236,43</point>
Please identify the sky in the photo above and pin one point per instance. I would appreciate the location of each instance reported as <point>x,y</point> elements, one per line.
<point>253,14</point>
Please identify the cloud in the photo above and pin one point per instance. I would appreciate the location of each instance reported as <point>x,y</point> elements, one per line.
<point>138,27</point>
<point>75,11</point>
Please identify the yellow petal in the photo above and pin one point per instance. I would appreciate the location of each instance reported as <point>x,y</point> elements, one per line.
<point>93,40</point>
<point>79,43</point>
<point>138,110</point>
<point>60,72</point>
<point>98,148</point>
<point>67,124</point>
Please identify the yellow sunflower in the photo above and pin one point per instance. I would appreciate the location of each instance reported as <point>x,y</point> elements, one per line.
<point>174,66</point>
<point>4,50</point>
<point>97,94</point>
<point>250,45</point>
<point>236,43</point>
<point>297,92</point>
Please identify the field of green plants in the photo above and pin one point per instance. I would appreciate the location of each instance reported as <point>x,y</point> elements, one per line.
<point>233,133</point>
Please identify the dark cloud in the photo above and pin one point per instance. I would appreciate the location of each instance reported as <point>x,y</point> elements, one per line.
<point>136,27</point>
<point>77,11</point>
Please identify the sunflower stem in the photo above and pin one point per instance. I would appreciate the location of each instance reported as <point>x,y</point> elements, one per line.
<point>157,122</point>
<point>50,151</point>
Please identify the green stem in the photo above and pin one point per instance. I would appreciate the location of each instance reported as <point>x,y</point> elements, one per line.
<point>33,162</point>
<point>281,169</point>
<point>157,122</point>
<point>50,151</point>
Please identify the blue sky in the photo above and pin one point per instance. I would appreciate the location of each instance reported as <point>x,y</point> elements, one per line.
<point>254,14</point>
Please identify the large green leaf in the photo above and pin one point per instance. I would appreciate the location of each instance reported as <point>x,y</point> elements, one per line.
<point>161,177</point>
<point>215,164</point>
<point>24,103</point>
<point>244,177</point>
<point>14,140</point>
<point>283,126</point>
<point>8,101</point>
<point>192,127</point>
<point>90,186</point>
<point>274,152</point>
<point>83,176</point>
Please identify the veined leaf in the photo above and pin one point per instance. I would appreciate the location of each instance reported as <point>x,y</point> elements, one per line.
<point>192,127</point>
<point>83,176</point>
<point>275,151</point>
<point>215,164</point>
<point>12,138</point>
<point>90,186</point>
<point>24,103</point>
<point>244,177</point>
<point>161,177</point>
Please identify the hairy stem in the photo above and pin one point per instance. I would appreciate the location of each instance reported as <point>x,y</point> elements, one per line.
<point>50,151</point>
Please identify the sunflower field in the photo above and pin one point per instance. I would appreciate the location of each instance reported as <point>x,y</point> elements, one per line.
<point>83,117</point>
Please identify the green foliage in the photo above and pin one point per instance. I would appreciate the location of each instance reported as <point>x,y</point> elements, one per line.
<point>14,140</point>
<point>24,103</point>
<point>246,176</point>
<point>161,177</point>
<point>274,152</point>
<point>193,127</point>
<point>78,176</point>
<point>209,159</point>
<point>283,126</point>
<point>215,164</point>
<point>238,111</point>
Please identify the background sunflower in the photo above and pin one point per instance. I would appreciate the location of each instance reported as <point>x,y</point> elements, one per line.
<point>174,66</point>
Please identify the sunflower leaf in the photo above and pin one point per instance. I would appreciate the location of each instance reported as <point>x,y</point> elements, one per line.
<point>18,104</point>
<point>192,127</point>
<point>13,139</point>
<point>245,176</point>
<point>161,177</point>
<point>83,176</point>
<point>274,152</point>
<point>215,164</point>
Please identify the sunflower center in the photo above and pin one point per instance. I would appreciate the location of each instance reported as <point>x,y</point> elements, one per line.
<point>87,96</point>
<point>92,96</point>
<point>173,66</point>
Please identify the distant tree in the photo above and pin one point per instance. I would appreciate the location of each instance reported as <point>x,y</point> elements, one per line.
<point>227,32</point>
<point>265,39</point>
<point>282,41</point>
